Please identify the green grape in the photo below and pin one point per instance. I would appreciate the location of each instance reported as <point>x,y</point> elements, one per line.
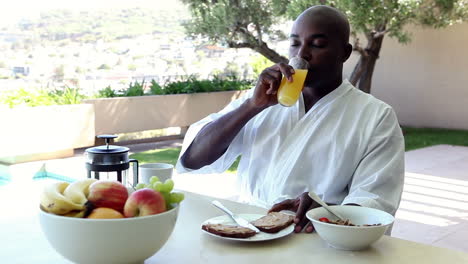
<point>176,197</point>
<point>157,186</point>
<point>168,186</point>
<point>167,198</point>
<point>164,188</point>
<point>140,186</point>
<point>153,179</point>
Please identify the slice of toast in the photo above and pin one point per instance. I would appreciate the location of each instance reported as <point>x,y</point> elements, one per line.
<point>228,230</point>
<point>273,222</point>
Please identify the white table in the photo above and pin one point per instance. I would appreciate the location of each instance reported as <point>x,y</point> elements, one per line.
<point>23,242</point>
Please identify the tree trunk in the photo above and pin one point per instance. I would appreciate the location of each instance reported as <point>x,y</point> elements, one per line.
<point>357,71</point>
<point>364,69</point>
<point>260,48</point>
<point>270,54</point>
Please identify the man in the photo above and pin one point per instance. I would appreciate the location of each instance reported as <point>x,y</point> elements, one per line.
<point>341,143</point>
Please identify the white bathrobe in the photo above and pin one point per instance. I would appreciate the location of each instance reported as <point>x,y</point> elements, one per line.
<point>348,148</point>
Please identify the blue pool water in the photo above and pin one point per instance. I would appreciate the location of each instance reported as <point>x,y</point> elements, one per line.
<point>4,181</point>
<point>44,175</point>
<point>5,178</point>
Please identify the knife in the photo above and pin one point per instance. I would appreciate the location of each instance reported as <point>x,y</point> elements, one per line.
<point>239,220</point>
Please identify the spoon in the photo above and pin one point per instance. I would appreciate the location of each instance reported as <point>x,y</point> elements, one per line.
<point>315,197</point>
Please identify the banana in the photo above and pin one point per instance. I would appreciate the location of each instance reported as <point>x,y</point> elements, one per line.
<point>78,191</point>
<point>53,201</point>
<point>76,214</point>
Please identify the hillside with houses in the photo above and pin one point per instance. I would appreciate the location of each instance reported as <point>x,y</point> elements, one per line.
<point>99,48</point>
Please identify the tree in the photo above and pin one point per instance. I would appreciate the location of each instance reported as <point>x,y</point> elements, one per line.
<point>104,67</point>
<point>248,23</point>
<point>258,64</point>
<point>374,19</point>
<point>239,23</point>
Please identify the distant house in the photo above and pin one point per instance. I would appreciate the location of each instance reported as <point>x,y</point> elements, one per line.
<point>11,37</point>
<point>20,70</point>
<point>164,47</point>
<point>212,50</point>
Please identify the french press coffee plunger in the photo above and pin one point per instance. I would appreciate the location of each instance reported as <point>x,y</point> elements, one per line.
<point>110,162</point>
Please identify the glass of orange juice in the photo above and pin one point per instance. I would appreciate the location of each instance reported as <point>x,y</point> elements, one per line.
<point>289,92</point>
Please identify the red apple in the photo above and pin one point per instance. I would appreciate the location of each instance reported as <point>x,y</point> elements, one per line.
<point>110,194</point>
<point>143,202</point>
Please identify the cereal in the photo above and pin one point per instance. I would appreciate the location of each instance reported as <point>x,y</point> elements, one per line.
<point>346,222</point>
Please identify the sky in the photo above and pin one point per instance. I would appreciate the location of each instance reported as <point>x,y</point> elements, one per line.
<point>17,9</point>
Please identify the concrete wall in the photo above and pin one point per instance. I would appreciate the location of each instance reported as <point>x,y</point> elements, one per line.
<point>426,81</point>
<point>46,132</point>
<point>133,114</point>
<point>32,133</point>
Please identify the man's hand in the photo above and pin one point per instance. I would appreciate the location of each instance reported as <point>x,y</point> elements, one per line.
<point>300,206</point>
<point>268,84</point>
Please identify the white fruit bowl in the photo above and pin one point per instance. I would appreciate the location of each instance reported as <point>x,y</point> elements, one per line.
<point>351,237</point>
<point>108,241</point>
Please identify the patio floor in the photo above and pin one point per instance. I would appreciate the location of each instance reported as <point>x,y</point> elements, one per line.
<point>434,207</point>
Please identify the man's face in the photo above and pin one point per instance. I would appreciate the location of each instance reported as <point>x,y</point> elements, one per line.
<point>318,43</point>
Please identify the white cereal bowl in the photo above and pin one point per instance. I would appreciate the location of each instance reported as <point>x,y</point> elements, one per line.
<point>351,237</point>
<point>108,241</point>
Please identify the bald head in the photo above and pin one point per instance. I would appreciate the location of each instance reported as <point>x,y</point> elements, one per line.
<point>320,36</point>
<point>328,17</point>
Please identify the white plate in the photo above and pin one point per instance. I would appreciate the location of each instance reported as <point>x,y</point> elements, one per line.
<point>262,236</point>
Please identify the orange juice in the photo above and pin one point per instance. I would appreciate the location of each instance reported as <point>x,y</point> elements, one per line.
<point>289,92</point>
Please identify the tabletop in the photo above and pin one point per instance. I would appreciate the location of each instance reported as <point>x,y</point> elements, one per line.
<point>23,242</point>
